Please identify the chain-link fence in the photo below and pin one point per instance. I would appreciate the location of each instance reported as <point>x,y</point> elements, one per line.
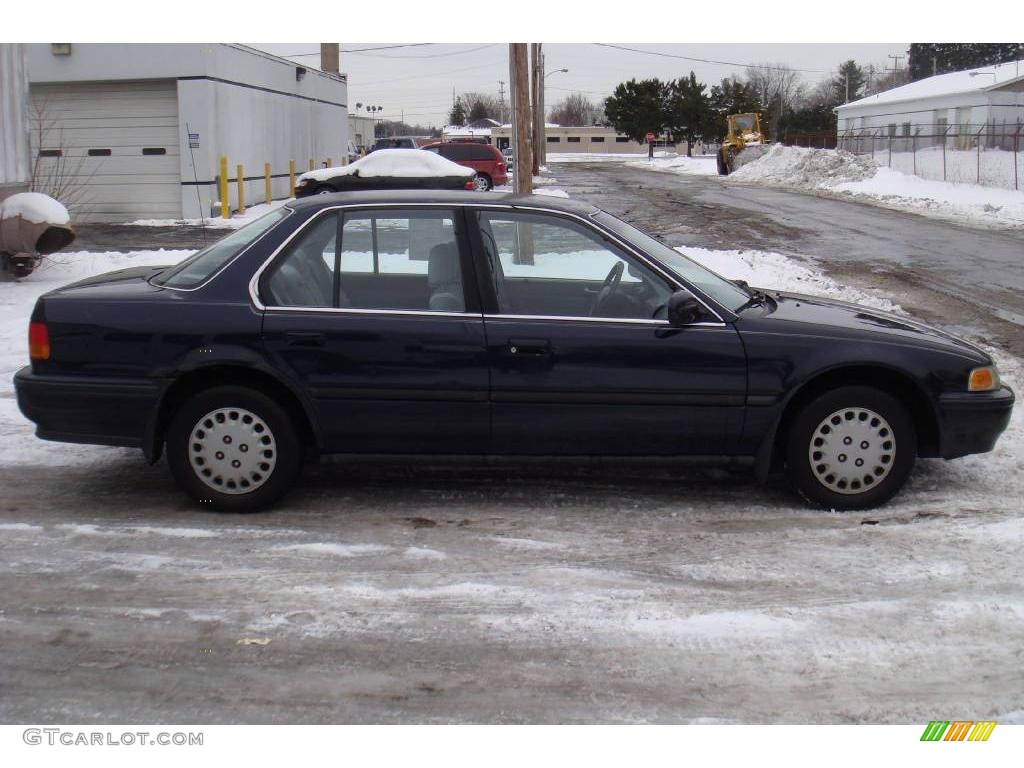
<point>988,154</point>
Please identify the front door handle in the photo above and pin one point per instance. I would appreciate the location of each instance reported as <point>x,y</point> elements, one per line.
<point>529,347</point>
<point>305,338</point>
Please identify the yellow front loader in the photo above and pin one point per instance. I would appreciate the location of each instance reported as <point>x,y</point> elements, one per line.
<point>744,142</point>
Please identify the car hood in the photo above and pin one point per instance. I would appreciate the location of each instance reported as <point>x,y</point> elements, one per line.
<point>820,316</point>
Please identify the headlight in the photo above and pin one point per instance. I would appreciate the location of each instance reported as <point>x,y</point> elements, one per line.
<point>983,379</point>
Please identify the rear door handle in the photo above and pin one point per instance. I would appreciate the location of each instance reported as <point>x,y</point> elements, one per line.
<point>529,347</point>
<point>305,338</point>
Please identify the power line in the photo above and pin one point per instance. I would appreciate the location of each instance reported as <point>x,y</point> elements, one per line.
<point>706,61</point>
<point>356,50</point>
<point>430,55</point>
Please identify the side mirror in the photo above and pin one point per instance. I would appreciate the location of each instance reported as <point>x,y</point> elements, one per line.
<point>684,309</point>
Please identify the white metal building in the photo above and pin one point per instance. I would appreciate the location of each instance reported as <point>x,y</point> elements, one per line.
<point>14,152</point>
<point>987,101</point>
<point>135,131</point>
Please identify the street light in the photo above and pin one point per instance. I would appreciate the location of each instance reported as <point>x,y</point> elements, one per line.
<point>554,72</point>
<point>975,74</point>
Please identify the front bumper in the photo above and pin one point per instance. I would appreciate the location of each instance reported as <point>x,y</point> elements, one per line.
<point>87,409</point>
<point>971,422</point>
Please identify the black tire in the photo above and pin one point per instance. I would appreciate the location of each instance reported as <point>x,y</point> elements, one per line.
<point>324,189</point>
<point>871,486</point>
<point>723,170</point>
<point>286,452</point>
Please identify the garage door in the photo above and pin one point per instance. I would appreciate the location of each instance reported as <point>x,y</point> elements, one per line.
<point>109,149</point>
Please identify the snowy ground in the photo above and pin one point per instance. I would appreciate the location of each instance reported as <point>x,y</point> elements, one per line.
<point>842,174</point>
<point>252,213</point>
<point>434,591</point>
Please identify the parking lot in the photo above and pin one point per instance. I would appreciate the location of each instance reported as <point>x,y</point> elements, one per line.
<point>413,590</point>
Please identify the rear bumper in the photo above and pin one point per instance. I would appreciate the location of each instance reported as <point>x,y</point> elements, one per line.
<point>85,409</point>
<point>971,422</point>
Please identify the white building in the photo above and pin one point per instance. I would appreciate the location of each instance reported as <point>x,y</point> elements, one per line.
<point>15,168</point>
<point>983,106</point>
<point>135,131</point>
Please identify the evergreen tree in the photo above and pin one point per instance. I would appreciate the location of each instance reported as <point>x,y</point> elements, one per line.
<point>688,110</point>
<point>458,114</point>
<point>850,82</point>
<point>636,107</point>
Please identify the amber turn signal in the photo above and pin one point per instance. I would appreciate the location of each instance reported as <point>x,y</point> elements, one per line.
<point>38,341</point>
<point>983,379</point>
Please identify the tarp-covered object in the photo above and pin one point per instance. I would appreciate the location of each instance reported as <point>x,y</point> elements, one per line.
<point>32,223</point>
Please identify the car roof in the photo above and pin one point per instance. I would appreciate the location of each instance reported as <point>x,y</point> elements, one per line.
<point>449,197</point>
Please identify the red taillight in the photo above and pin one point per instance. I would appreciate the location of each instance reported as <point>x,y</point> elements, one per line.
<point>38,341</point>
<point>469,185</point>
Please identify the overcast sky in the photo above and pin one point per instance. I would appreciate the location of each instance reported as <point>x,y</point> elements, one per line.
<point>420,79</point>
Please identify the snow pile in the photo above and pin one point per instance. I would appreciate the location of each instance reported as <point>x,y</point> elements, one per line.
<point>842,174</point>
<point>701,165</point>
<point>551,192</point>
<point>767,270</point>
<point>968,203</point>
<point>34,207</point>
<point>400,163</point>
<point>802,167</point>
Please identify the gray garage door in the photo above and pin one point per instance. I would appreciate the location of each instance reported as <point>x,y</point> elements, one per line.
<point>110,148</point>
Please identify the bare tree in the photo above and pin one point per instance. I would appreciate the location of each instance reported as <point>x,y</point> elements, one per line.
<point>778,88</point>
<point>576,110</point>
<point>479,106</point>
<point>56,172</point>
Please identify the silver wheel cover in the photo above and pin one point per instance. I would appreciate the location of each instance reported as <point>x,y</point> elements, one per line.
<point>232,451</point>
<point>852,451</point>
<point>480,183</point>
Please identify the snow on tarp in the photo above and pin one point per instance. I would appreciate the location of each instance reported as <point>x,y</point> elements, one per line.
<point>399,163</point>
<point>34,207</point>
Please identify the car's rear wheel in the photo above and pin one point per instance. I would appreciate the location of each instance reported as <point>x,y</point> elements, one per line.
<point>483,183</point>
<point>234,449</point>
<point>851,448</point>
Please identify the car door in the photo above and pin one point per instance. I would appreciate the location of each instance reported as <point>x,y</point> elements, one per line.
<point>582,359</point>
<point>369,311</point>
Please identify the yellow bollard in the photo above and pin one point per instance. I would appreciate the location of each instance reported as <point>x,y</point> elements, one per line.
<point>266,182</point>
<point>222,182</point>
<point>291,178</point>
<point>330,163</point>
<point>241,190</point>
<point>311,165</point>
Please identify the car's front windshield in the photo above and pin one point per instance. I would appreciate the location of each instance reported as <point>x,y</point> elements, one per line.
<point>723,291</point>
<point>202,265</point>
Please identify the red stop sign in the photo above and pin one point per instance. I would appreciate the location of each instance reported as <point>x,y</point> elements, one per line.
<point>649,137</point>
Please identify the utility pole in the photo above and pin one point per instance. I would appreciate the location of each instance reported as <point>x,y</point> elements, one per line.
<point>536,83</point>
<point>542,142</point>
<point>519,87</point>
<point>501,100</point>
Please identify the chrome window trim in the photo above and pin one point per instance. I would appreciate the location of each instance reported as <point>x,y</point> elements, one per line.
<point>234,258</point>
<point>358,311</point>
<point>606,320</point>
<point>667,275</point>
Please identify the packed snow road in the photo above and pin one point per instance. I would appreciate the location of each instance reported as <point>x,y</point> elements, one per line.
<point>436,592</point>
<point>968,280</point>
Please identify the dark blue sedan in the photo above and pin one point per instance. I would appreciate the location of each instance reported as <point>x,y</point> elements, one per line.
<point>460,323</point>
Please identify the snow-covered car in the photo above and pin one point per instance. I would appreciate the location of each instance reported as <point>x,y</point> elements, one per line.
<point>388,169</point>
<point>434,322</point>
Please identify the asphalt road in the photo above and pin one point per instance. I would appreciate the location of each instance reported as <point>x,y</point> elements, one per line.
<point>966,279</point>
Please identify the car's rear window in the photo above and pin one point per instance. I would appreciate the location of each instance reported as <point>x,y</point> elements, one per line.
<point>201,266</point>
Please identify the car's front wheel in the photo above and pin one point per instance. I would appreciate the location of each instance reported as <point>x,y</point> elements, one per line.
<point>234,449</point>
<point>483,183</point>
<point>851,448</point>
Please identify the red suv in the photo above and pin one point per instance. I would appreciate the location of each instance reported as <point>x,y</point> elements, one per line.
<point>486,160</point>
